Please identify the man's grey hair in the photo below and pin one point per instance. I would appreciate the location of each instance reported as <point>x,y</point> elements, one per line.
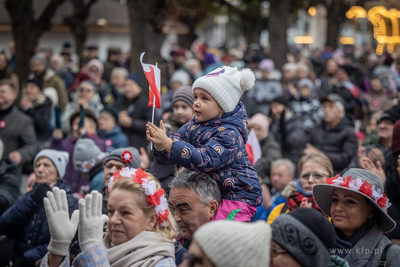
<point>286,162</point>
<point>119,70</point>
<point>201,183</point>
<point>340,107</point>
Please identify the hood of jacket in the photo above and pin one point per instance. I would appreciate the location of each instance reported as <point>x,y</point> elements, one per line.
<point>237,118</point>
<point>49,73</point>
<point>289,189</point>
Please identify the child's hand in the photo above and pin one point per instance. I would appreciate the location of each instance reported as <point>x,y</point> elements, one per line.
<point>158,136</point>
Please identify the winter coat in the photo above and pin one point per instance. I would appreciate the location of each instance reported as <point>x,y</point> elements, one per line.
<point>291,136</point>
<point>368,251</point>
<point>140,113</point>
<point>41,115</point>
<point>26,221</point>
<point>73,177</point>
<point>218,147</point>
<point>94,105</point>
<point>339,144</point>
<point>51,79</point>
<point>9,184</point>
<point>309,111</point>
<point>18,134</point>
<point>114,138</point>
<point>257,100</point>
<point>271,151</point>
<point>97,256</point>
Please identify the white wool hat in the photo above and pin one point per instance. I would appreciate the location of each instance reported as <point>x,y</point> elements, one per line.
<point>226,85</point>
<point>59,158</point>
<point>235,244</point>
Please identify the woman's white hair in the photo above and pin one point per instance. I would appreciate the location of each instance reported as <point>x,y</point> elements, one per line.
<point>119,70</point>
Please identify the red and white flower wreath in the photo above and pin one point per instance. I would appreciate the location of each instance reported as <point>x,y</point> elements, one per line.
<point>155,197</point>
<point>363,187</point>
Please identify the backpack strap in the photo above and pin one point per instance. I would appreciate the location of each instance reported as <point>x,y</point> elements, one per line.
<point>382,263</point>
<point>284,209</point>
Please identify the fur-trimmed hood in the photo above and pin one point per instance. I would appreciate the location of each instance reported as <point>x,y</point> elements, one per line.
<point>289,189</point>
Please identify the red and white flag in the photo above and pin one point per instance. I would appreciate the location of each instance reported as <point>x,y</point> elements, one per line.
<point>253,147</point>
<point>153,76</point>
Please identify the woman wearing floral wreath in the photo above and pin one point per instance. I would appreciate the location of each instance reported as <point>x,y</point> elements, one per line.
<point>141,231</point>
<point>358,208</point>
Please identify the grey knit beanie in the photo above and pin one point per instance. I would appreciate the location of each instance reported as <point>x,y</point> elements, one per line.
<point>306,235</point>
<point>235,244</point>
<point>116,155</point>
<point>184,94</point>
<point>59,158</point>
<point>85,150</point>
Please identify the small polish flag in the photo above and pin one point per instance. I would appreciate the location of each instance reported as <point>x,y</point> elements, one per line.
<point>253,147</point>
<point>153,76</point>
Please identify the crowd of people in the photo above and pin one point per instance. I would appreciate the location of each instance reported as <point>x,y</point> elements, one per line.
<point>86,179</point>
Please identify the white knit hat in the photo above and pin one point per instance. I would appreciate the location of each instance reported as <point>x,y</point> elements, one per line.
<point>235,244</point>
<point>226,85</point>
<point>59,158</point>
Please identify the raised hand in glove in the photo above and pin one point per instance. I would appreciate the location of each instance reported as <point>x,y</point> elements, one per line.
<point>62,229</point>
<point>91,220</point>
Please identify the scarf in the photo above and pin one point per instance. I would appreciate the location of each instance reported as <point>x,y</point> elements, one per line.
<point>146,249</point>
<point>294,201</point>
<point>343,247</point>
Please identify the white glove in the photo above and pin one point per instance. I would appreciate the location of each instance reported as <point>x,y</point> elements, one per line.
<point>62,229</point>
<point>91,220</point>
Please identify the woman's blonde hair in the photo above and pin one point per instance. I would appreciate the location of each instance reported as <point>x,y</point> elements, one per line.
<point>169,232</point>
<point>318,157</point>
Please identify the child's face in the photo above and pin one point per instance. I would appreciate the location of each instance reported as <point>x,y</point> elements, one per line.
<point>305,92</point>
<point>182,111</point>
<point>205,107</point>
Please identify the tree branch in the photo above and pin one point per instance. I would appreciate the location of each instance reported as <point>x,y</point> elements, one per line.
<point>44,21</point>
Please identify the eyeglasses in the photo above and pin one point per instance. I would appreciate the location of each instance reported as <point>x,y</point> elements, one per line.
<point>317,177</point>
<point>191,259</point>
<point>275,252</point>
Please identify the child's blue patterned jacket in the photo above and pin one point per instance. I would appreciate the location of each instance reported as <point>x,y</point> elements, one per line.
<point>218,147</point>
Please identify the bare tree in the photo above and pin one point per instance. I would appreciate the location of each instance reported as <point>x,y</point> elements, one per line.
<point>277,27</point>
<point>146,21</point>
<point>27,30</point>
<point>77,22</point>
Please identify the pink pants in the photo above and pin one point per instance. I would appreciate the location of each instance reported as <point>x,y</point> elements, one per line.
<point>235,211</point>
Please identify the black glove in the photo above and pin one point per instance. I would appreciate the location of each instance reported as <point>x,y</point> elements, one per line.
<point>82,116</point>
<point>57,110</point>
<point>40,193</point>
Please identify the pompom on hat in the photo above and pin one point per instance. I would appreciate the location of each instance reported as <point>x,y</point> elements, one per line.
<point>226,85</point>
<point>364,182</point>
